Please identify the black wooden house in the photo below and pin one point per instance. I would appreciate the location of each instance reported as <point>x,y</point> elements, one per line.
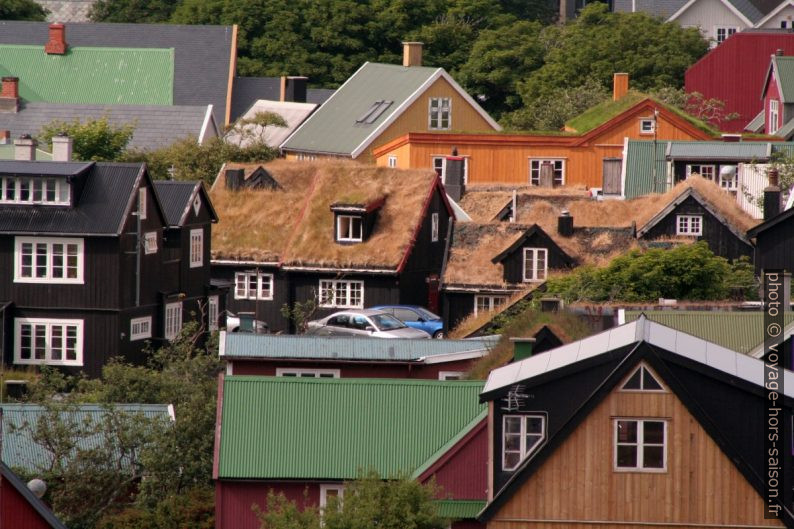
<point>95,263</point>
<point>774,238</point>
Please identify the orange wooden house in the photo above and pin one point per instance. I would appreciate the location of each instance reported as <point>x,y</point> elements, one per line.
<point>588,153</point>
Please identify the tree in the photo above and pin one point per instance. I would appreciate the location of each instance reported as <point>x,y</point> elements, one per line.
<point>137,11</point>
<point>552,111</point>
<point>22,10</point>
<point>254,128</point>
<point>93,140</point>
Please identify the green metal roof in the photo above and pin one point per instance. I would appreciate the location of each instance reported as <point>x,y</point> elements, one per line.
<point>738,331</point>
<point>785,76</point>
<point>242,345</point>
<point>333,128</point>
<point>7,153</point>
<point>460,509</point>
<point>718,150</point>
<point>757,123</point>
<point>131,76</point>
<point>287,428</point>
<point>639,168</point>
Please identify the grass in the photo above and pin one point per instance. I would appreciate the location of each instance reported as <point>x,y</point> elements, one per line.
<point>603,112</point>
<point>29,374</point>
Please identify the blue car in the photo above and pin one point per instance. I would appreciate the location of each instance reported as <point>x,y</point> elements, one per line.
<point>416,317</point>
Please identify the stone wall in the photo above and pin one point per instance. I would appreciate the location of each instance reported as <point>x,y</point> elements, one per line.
<point>67,10</point>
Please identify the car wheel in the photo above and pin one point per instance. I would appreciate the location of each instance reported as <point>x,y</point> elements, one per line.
<point>438,335</point>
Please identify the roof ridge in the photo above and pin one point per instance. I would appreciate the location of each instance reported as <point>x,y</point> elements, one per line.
<point>355,381</point>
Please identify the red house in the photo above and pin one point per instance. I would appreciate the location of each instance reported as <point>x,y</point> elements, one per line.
<point>20,508</point>
<point>734,72</point>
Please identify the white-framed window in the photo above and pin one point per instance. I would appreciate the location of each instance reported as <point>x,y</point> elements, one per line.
<point>37,190</point>
<point>450,375</point>
<point>212,312</point>
<point>488,303</point>
<point>647,126</point>
<point>729,181</point>
<point>557,167</point>
<point>434,227</point>
<point>142,203</point>
<point>440,167</point>
<point>723,32</point>
<point>439,113</point>
<point>642,379</point>
<point>48,341</point>
<point>173,320</point>
<point>773,116</point>
<point>304,157</point>
<point>392,161</point>
<point>48,260</point>
<point>343,294</point>
<point>640,445</point>
<point>536,264</point>
<point>306,373</point>
<point>327,491</point>
<point>521,435</point>
<point>349,228</point>
<point>140,328</point>
<point>150,242</point>
<point>706,171</point>
<point>196,248</point>
<point>251,285</point>
<point>689,225</point>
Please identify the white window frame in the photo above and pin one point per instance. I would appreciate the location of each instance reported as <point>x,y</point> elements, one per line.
<point>727,32</point>
<point>524,450</point>
<point>196,248</point>
<point>729,184</point>
<point>450,375</point>
<point>140,328</point>
<point>536,271</point>
<point>60,188</point>
<point>774,115</point>
<point>305,157</point>
<point>350,236</point>
<point>49,256</point>
<point>48,324</point>
<point>150,242</point>
<point>651,126</point>
<point>302,373</point>
<point>392,161</point>
<point>534,172</point>
<point>436,107</point>
<point>142,203</point>
<point>324,488</point>
<point>172,320</point>
<point>332,285</point>
<point>685,225</point>
<point>640,444</point>
<point>642,389</point>
<point>434,227</point>
<point>246,292</point>
<point>492,302</point>
<point>707,171</point>
<point>213,304</point>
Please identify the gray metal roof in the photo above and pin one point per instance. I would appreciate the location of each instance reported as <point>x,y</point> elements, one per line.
<point>155,126</point>
<point>718,150</point>
<point>202,54</point>
<point>174,197</point>
<point>757,123</point>
<point>248,90</point>
<point>659,8</point>
<point>237,345</point>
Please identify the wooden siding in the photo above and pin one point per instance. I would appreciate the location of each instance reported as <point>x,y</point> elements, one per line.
<point>772,93</point>
<point>268,311</point>
<point>15,511</point>
<point>359,369</point>
<point>233,500</point>
<point>775,248</point>
<point>578,484</point>
<point>455,307</point>
<point>464,476</point>
<point>514,263</point>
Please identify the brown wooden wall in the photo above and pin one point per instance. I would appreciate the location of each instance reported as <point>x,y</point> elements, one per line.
<point>578,484</point>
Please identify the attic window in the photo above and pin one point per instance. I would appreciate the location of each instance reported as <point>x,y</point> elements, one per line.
<point>48,191</point>
<point>521,435</point>
<point>374,112</point>
<point>349,228</point>
<point>642,379</point>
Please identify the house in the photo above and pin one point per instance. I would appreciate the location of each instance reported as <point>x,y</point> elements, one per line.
<point>21,507</point>
<point>588,153</point>
<point>657,428</point>
<point>342,234</point>
<point>777,115</point>
<point>86,245</point>
<point>345,357</point>
<point>658,8</point>
<point>381,102</point>
<point>337,427</point>
<point>774,238</point>
<point>246,91</point>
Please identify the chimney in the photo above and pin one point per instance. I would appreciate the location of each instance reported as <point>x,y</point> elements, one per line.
<point>5,137</point>
<point>25,148</point>
<point>772,196</point>
<point>9,94</point>
<point>57,43</point>
<point>293,88</point>
<point>234,179</point>
<point>454,175</point>
<point>412,53</point>
<point>522,348</point>
<point>620,85</point>
<point>565,224</point>
<point>61,148</point>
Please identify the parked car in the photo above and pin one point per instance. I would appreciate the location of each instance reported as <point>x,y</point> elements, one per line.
<point>245,323</point>
<point>364,323</point>
<point>416,317</point>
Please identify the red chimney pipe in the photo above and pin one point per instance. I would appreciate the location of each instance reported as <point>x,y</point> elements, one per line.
<point>57,43</point>
<point>10,87</point>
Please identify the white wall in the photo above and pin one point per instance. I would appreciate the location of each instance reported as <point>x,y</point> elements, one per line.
<point>708,15</point>
<point>786,14</point>
<point>752,181</point>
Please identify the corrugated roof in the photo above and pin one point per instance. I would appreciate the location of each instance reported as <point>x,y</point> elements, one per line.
<point>639,163</point>
<point>786,130</point>
<point>21,451</point>
<point>91,75</point>
<point>738,331</point>
<point>333,127</point>
<point>285,428</point>
<point>748,9</point>
<point>784,66</point>
<point>175,198</point>
<point>240,345</point>
<point>718,150</point>
<point>757,123</point>
<point>460,509</point>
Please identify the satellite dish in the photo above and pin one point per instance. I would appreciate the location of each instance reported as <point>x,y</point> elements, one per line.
<point>728,170</point>
<point>37,487</point>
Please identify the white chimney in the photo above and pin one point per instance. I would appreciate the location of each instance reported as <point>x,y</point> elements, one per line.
<point>25,148</point>
<point>61,148</point>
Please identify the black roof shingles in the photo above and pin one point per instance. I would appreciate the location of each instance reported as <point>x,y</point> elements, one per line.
<point>174,197</point>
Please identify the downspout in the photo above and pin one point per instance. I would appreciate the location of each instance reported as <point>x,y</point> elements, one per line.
<point>138,254</point>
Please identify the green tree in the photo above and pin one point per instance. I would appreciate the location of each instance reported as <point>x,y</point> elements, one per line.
<point>94,139</point>
<point>22,10</point>
<point>137,11</point>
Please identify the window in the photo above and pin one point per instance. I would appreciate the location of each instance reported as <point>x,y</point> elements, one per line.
<point>142,203</point>
<point>440,114</point>
<point>773,116</point>
<point>488,303</point>
<point>349,228</point>
<point>706,171</point>
<point>330,491</point>
<point>140,328</point>
<point>521,435</point>
<point>251,285</point>
<point>306,373</point>
<point>535,264</point>
<point>557,168</point>
<point>196,248</point>
<point>689,225</point>
<point>440,167</point>
<point>783,24</point>
<point>44,260</point>
<point>642,379</point>
<point>392,161</point>
<point>723,33</point>
<point>434,227</point>
<point>26,190</point>
<point>450,375</point>
<point>374,112</point>
<point>341,294</point>
<point>729,176</point>
<point>212,313</point>
<point>46,341</point>
<point>173,320</point>
<point>303,157</point>
<point>647,126</point>
<point>640,444</point>
<point>150,242</point>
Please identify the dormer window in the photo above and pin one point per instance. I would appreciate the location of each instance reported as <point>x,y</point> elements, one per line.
<point>27,190</point>
<point>349,228</point>
<point>353,223</point>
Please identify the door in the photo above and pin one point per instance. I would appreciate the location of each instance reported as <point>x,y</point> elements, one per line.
<point>611,180</point>
<point>433,285</point>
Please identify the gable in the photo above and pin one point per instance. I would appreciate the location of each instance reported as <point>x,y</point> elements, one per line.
<point>708,13</point>
<point>513,257</point>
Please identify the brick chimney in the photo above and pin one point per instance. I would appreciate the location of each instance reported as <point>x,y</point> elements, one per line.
<point>412,53</point>
<point>57,43</point>
<point>61,148</point>
<point>772,196</point>
<point>25,148</point>
<point>293,88</point>
<point>9,95</point>
<point>620,85</point>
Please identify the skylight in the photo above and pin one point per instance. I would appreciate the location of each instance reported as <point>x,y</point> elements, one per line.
<point>374,112</point>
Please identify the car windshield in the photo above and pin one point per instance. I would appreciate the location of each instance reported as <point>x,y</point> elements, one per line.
<point>386,322</point>
<point>427,315</point>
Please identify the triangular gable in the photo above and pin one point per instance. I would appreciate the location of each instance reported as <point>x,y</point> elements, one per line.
<point>200,192</point>
<point>774,12</point>
<point>532,231</point>
<point>726,3</point>
<point>132,202</point>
